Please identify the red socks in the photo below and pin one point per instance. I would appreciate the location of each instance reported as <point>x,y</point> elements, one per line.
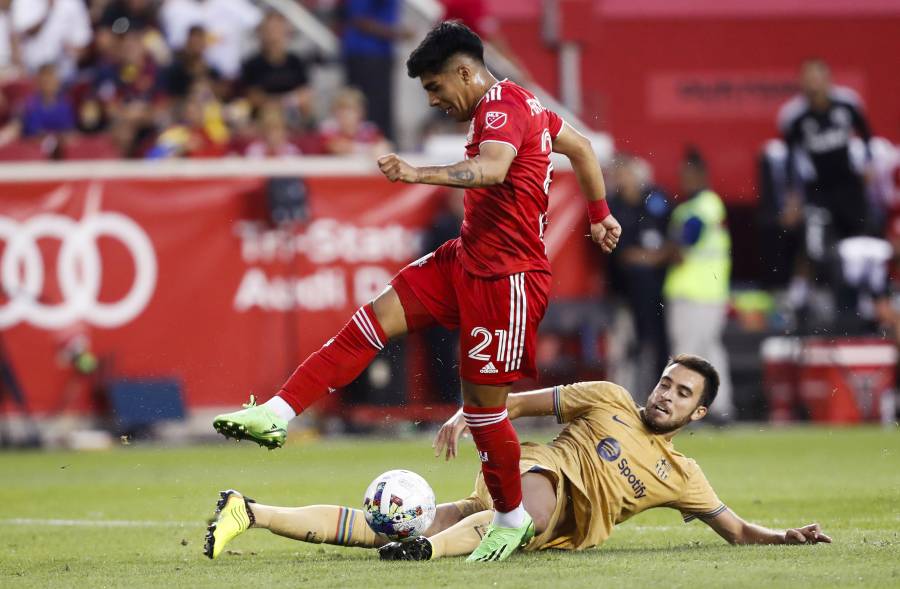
<point>498,447</point>
<point>336,363</point>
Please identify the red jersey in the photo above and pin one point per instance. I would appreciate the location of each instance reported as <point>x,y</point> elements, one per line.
<point>503,228</point>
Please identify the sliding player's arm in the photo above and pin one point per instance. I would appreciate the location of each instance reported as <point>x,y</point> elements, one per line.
<point>530,404</point>
<point>735,530</point>
<point>488,168</point>
<point>566,402</point>
<point>578,149</point>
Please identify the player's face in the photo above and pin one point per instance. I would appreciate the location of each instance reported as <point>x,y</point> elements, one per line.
<point>447,91</point>
<point>816,81</point>
<point>675,401</point>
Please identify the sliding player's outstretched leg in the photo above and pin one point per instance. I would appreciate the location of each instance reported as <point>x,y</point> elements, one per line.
<point>316,524</point>
<point>233,517</point>
<point>334,365</point>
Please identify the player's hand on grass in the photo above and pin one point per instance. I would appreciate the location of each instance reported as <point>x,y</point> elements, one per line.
<point>606,233</point>
<point>447,439</point>
<point>396,169</point>
<point>811,534</point>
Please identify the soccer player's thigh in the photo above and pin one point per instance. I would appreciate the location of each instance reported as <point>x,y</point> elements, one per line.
<point>425,293</point>
<point>539,498</point>
<point>498,327</point>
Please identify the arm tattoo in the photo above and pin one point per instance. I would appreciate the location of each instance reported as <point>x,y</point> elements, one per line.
<point>465,174</point>
<point>465,177</point>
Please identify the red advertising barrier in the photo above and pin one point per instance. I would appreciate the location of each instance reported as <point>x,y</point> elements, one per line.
<point>833,381</point>
<point>186,278</point>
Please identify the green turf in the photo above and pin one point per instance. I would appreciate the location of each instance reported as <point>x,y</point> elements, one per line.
<point>847,479</point>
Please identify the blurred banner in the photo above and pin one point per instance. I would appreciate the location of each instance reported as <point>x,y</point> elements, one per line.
<point>190,278</point>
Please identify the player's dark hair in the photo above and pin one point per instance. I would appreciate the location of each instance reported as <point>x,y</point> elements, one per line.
<point>702,367</point>
<point>815,62</point>
<point>694,159</point>
<point>447,39</point>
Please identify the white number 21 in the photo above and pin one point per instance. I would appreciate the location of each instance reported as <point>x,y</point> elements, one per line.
<point>486,339</point>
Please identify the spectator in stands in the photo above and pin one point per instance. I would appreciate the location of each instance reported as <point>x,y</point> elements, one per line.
<point>198,132</point>
<point>121,16</point>
<point>697,285</point>
<point>228,23</point>
<point>10,56</point>
<point>190,66</point>
<point>348,132</point>
<point>48,110</point>
<point>127,88</point>
<point>640,264</point>
<point>370,30</point>
<point>53,31</point>
<point>276,73</point>
<point>274,140</point>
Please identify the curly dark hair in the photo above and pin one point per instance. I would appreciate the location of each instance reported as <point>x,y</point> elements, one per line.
<point>447,39</point>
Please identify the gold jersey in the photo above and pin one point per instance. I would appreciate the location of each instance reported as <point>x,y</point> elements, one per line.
<point>614,467</point>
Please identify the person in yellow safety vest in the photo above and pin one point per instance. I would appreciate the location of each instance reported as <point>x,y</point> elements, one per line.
<point>697,284</point>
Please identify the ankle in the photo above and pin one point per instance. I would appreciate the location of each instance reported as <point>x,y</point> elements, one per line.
<point>261,515</point>
<point>280,407</point>
<point>510,519</point>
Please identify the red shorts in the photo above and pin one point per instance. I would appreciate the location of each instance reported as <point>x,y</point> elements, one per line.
<point>497,318</point>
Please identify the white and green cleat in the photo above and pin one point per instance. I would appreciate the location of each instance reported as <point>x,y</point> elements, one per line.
<point>499,542</point>
<point>233,517</point>
<point>254,422</point>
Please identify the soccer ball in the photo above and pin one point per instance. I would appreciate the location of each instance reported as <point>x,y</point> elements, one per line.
<point>399,504</point>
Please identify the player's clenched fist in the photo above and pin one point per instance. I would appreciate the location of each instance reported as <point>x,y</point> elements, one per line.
<point>606,233</point>
<point>397,170</point>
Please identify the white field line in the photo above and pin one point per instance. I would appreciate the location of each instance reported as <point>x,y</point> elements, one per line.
<point>99,523</point>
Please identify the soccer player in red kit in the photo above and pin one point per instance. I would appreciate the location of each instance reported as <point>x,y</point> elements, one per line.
<point>492,282</point>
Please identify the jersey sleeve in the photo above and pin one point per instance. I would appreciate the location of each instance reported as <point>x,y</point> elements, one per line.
<point>574,400</point>
<point>698,499</point>
<point>555,123</point>
<point>503,121</point>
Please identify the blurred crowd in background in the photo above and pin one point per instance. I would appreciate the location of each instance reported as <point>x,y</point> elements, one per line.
<point>187,78</point>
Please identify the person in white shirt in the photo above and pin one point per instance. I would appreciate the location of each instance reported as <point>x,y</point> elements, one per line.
<point>227,22</point>
<point>52,31</point>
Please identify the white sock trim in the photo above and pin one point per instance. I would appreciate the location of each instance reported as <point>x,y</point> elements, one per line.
<point>483,419</point>
<point>510,519</point>
<point>280,407</point>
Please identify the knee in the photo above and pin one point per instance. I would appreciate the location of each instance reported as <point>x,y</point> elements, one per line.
<point>389,312</point>
<point>539,499</point>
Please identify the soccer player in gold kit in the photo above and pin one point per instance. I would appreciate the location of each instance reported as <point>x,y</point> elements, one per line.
<point>611,461</point>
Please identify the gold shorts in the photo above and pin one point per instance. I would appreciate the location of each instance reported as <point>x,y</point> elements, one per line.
<point>534,459</point>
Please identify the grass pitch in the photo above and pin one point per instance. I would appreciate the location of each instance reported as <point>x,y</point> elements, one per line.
<point>135,517</point>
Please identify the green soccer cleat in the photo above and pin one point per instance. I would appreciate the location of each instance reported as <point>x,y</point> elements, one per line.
<point>499,542</point>
<point>233,517</point>
<point>253,422</point>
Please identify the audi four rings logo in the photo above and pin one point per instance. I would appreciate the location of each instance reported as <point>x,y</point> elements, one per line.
<point>79,270</point>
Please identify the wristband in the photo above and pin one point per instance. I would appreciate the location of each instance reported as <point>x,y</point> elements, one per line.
<point>597,210</point>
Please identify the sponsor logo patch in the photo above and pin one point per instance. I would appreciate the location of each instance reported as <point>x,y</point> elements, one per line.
<point>489,368</point>
<point>609,449</point>
<point>494,120</point>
